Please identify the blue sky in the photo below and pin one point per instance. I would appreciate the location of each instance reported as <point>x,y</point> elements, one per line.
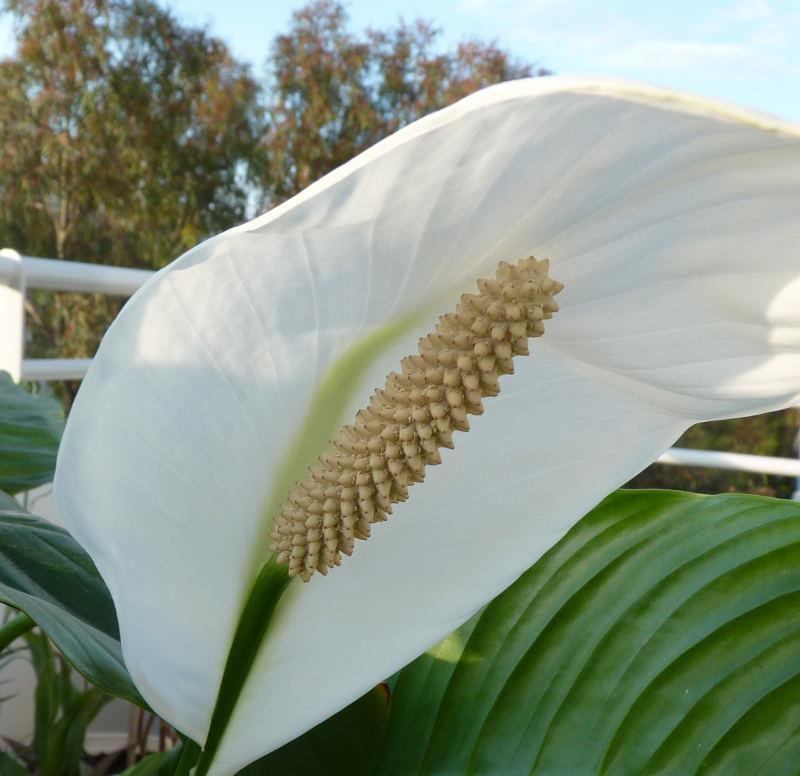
<point>745,51</point>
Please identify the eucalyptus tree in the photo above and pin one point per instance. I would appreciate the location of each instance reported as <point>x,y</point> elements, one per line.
<point>333,93</point>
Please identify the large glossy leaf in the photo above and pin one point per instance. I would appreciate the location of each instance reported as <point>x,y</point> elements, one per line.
<point>47,574</point>
<point>30,430</point>
<point>661,635</point>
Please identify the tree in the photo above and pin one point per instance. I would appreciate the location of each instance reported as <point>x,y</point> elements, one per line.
<point>125,134</point>
<point>126,139</point>
<point>334,93</point>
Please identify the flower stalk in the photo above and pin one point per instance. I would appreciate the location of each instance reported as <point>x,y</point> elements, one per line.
<point>14,628</point>
<point>253,625</point>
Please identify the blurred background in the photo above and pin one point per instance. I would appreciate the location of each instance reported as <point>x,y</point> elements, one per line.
<point>130,130</point>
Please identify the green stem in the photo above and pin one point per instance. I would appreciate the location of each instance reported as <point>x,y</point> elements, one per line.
<point>14,628</point>
<point>272,581</point>
<point>190,751</point>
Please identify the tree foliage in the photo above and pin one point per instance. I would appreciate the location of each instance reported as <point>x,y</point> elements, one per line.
<point>124,132</point>
<point>333,93</point>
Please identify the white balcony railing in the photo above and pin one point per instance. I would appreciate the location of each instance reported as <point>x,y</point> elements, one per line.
<point>18,273</point>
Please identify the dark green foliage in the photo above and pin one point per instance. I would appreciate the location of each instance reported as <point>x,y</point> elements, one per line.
<point>45,573</point>
<point>11,766</point>
<point>63,712</point>
<point>30,431</point>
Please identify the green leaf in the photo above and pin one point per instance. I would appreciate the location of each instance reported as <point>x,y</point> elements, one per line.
<point>30,431</point>
<point>63,713</point>
<point>13,627</point>
<point>46,693</point>
<point>9,766</point>
<point>45,573</point>
<point>66,738</point>
<point>149,766</point>
<point>345,744</point>
<point>659,636</point>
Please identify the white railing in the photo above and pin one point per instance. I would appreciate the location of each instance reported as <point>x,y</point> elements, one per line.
<point>781,467</point>
<point>18,273</point>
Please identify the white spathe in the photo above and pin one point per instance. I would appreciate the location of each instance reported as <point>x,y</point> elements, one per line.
<point>674,224</point>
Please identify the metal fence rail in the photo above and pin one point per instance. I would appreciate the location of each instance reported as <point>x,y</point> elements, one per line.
<point>780,467</point>
<point>54,368</point>
<point>71,275</point>
<point>19,273</point>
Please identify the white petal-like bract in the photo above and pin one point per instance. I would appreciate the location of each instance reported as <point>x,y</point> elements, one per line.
<point>673,224</point>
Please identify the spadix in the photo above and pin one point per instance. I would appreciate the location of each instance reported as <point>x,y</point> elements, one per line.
<point>373,462</point>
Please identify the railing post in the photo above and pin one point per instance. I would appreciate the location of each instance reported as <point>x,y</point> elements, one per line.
<point>12,312</point>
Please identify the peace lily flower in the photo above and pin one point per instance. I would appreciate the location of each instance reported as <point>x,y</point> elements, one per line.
<point>672,223</point>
